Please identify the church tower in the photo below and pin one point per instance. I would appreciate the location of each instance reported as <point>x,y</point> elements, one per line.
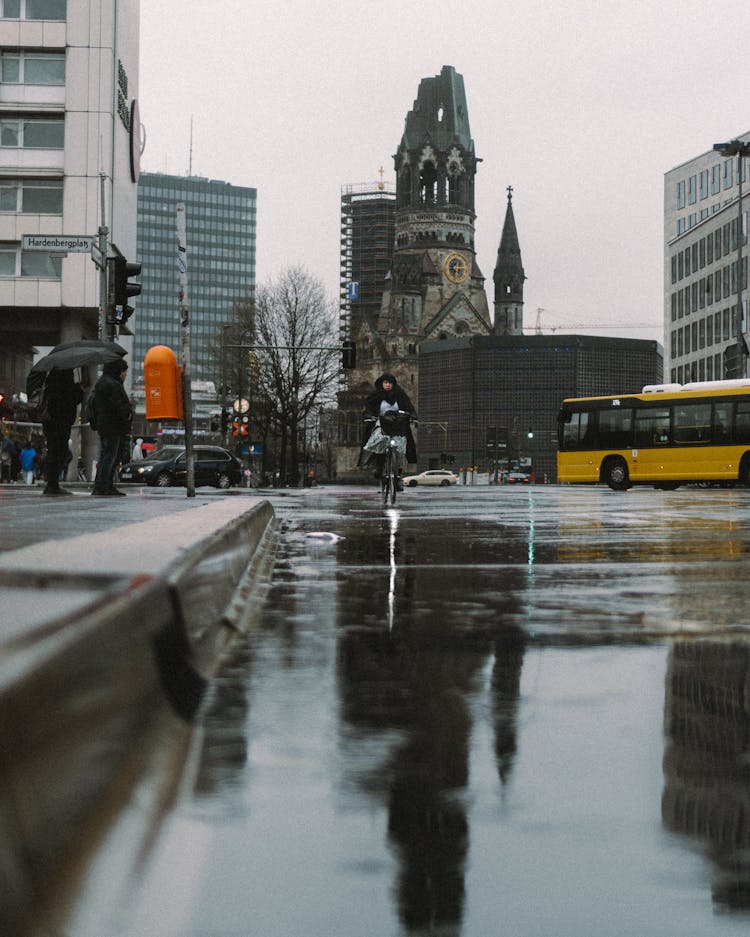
<point>435,289</point>
<point>509,277</point>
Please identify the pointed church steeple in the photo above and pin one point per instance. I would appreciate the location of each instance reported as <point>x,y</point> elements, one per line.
<point>509,277</point>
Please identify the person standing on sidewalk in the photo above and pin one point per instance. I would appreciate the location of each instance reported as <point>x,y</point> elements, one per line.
<point>112,418</point>
<point>60,399</point>
<point>28,462</point>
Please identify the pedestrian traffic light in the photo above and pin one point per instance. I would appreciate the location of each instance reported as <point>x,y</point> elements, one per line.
<point>121,289</point>
<point>530,433</point>
<point>348,355</point>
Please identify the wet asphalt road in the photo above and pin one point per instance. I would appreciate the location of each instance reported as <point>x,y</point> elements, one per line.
<point>484,711</point>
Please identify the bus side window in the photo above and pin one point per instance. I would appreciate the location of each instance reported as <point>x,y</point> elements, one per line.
<point>651,427</point>
<point>722,422</point>
<point>742,422</point>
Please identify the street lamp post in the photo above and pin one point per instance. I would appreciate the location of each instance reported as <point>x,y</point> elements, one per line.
<point>739,149</point>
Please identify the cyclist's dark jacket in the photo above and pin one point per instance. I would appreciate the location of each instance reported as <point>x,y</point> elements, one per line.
<point>397,395</point>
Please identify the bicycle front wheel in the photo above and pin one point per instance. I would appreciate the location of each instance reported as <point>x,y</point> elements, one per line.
<point>389,479</point>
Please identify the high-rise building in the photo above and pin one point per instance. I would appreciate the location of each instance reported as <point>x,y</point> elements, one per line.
<point>701,221</point>
<point>69,130</point>
<point>367,236</point>
<point>220,223</point>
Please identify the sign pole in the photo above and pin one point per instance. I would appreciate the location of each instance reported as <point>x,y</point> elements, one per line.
<point>187,402</point>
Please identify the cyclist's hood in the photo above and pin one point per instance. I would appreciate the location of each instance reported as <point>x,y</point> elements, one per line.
<point>385,377</point>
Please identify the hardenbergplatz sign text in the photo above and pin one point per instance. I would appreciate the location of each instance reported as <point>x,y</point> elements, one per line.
<point>71,243</point>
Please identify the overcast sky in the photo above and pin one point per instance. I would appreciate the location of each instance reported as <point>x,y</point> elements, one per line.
<point>581,106</point>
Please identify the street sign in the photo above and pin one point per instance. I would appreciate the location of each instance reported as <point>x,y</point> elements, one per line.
<point>352,291</point>
<point>96,256</point>
<point>241,406</point>
<point>68,243</point>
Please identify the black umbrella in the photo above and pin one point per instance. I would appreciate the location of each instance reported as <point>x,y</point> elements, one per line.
<point>77,354</point>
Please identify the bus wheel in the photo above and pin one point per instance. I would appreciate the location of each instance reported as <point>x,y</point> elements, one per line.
<point>615,474</point>
<point>744,474</point>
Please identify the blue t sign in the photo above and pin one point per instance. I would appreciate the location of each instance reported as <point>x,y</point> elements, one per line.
<point>352,291</point>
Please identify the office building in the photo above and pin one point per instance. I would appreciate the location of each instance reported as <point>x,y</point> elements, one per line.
<point>220,223</point>
<point>701,215</point>
<point>69,127</point>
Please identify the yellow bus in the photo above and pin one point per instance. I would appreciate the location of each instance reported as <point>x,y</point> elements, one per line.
<point>667,435</point>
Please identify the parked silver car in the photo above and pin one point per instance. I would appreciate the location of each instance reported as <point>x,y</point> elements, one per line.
<point>442,477</point>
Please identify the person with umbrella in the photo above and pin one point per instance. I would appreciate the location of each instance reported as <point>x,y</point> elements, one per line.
<point>60,401</point>
<point>57,408</point>
<point>112,417</point>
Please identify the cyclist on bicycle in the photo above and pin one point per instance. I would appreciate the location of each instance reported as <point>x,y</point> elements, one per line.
<point>388,398</point>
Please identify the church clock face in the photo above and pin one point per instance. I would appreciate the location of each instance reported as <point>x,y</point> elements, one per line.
<point>456,269</point>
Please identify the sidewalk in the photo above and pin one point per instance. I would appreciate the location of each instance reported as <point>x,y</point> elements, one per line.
<point>114,613</point>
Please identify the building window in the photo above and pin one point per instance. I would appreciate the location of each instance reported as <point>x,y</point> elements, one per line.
<point>31,133</point>
<point>34,9</point>
<point>33,68</point>
<point>703,183</point>
<point>728,173</point>
<point>681,194</point>
<point>716,179</point>
<point>32,196</point>
<point>692,195</point>
<point>687,261</point>
<point>38,264</point>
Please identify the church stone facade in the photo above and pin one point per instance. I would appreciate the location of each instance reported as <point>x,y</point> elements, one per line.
<point>435,289</point>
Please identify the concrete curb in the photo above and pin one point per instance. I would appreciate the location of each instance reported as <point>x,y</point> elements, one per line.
<point>89,694</point>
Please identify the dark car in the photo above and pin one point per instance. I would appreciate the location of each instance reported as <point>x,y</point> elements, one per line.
<point>168,466</point>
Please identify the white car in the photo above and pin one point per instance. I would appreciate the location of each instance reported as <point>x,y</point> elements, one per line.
<point>441,477</point>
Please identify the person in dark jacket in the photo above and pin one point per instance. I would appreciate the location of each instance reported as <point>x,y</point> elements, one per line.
<point>62,396</point>
<point>112,416</point>
<point>388,395</point>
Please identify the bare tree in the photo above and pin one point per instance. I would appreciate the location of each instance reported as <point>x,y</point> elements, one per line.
<point>296,336</point>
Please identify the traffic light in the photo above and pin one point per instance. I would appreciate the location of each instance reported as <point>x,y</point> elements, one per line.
<point>224,420</point>
<point>121,289</point>
<point>244,426</point>
<point>530,433</point>
<point>236,426</point>
<point>348,355</point>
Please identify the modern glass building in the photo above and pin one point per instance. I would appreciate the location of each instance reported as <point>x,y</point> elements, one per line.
<point>220,222</point>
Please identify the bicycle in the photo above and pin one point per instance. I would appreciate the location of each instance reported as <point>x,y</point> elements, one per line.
<point>392,425</point>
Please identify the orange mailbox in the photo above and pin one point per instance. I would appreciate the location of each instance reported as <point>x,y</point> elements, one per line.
<point>163,379</point>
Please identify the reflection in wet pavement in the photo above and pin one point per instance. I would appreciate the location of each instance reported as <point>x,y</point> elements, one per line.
<point>478,713</point>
